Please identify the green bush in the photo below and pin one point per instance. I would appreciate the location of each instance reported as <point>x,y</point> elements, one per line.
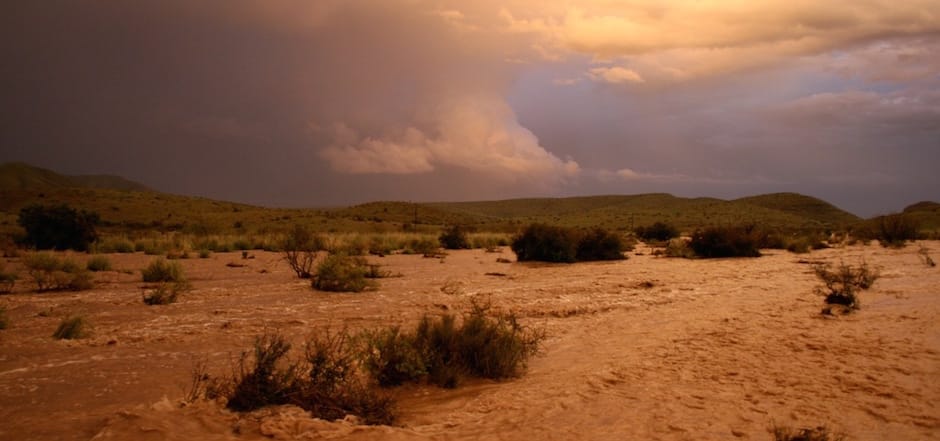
<point>454,238</point>
<point>391,357</point>
<point>547,243</point>
<point>52,273</point>
<point>600,244</point>
<point>71,328</point>
<point>161,270</point>
<point>58,227</point>
<point>98,263</point>
<point>714,242</point>
<point>657,232</point>
<point>342,273</point>
<point>841,286</point>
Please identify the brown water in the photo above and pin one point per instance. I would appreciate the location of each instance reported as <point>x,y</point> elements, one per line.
<point>714,349</point>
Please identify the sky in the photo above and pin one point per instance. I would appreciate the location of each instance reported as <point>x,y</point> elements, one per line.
<point>334,102</point>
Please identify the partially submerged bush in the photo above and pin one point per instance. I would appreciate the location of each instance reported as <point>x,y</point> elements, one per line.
<point>821,433</point>
<point>300,250</point>
<point>677,247</point>
<point>454,238</point>
<point>98,263</point>
<point>165,293</point>
<point>161,270</point>
<point>342,273</point>
<point>4,321</point>
<point>841,285</point>
<point>738,241</point>
<point>7,279</point>
<point>52,273</point>
<point>548,243</point>
<point>324,382</point>
<point>657,232</point>
<point>70,328</point>
<point>481,345</point>
<point>923,253</point>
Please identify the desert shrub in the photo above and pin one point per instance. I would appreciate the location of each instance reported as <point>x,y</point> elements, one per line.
<point>894,230</point>
<point>342,273</point>
<point>738,241</point>
<point>58,227</point>
<point>300,250</point>
<point>204,253</point>
<point>325,382</point>
<point>165,293</point>
<point>425,246</point>
<point>391,357</point>
<point>599,244</point>
<point>821,433</point>
<point>259,382</point>
<point>98,263</point>
<point>482,345</point>
<point>4,321</point>
<point>161,270</point>
<point>7,279</point>
<point>678,247</point>
<point>842,284</point>
<point>52,273</point>
<point>455,238</point>
<point>658,232</point>
<point>333,388</point>
<point>546,243</point>
<point>71,328</point>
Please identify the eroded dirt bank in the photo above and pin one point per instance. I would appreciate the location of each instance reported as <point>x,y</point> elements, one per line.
<point>647,348</point>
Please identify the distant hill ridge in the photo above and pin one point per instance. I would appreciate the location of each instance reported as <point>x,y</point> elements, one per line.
<point>17,176</point>
<point>126,205</point>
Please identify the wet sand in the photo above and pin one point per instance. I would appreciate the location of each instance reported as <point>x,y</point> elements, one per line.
<point>646,348</point>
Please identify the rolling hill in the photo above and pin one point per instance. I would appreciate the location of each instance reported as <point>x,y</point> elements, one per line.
<point>126,206</point>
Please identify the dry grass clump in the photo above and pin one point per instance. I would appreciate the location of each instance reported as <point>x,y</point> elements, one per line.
<point>165,293</point>
<point>342,273</point>
<point>821,433</point>
<point>443,350</point>
<point>98,263</point>
<point>52,273</point>
<point>161,270</point>
<point>842,284</point>
<point>71,328</point>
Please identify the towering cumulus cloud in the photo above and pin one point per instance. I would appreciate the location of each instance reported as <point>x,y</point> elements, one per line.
<point>474,133</point>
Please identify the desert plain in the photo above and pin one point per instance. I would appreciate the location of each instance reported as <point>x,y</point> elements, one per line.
<point>647,348</point>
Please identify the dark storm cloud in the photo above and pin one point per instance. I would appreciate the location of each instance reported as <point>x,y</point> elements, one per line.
<point>287,102</point>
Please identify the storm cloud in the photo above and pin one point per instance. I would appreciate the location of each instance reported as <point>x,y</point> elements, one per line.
<point>285,102</point>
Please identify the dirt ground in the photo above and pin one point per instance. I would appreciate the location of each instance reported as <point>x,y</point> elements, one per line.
<point>647,348</point>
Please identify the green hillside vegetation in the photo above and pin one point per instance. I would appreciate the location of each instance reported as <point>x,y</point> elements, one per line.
<point>130,209</point>
<point>927,215</point>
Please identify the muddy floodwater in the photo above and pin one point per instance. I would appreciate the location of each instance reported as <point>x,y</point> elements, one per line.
<point>647,348</point>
